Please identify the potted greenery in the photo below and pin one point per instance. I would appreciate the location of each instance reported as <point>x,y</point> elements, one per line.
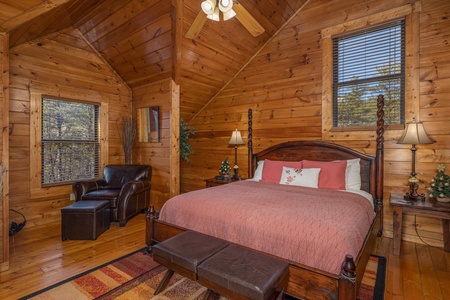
<point>185,134</point>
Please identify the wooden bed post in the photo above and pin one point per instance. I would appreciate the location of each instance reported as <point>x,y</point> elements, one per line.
<point>149,222</point>
<point>380,161</point>
<point>250,144</point>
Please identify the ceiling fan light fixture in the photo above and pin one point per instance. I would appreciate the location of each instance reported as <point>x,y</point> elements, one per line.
<point>229,14</point>
<point>215,15</point>
<point>208,7</point>
<point>225,5</point>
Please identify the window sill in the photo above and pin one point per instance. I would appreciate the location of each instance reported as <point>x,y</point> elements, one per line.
<point>367,128</point>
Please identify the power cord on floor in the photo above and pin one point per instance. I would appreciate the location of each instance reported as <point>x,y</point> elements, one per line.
<point>418,235</point>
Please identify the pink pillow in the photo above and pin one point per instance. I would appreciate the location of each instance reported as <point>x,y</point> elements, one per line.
<point>273,168</point>
<point>332,174</point>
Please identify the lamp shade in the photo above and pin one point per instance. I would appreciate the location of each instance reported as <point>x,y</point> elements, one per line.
<point>414,134</point>
<point>236,138</point>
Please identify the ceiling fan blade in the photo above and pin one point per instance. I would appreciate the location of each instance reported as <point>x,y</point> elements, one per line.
<point>247,20</point>
<point>196,26</point>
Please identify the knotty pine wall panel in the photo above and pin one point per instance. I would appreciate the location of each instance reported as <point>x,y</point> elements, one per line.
<point>155,154</point>
<point>62,65</point>
<point>283,86</point>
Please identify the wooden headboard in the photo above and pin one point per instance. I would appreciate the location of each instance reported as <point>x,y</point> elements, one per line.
<point>371,167</point>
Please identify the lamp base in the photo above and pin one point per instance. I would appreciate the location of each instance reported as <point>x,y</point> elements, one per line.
<point>236,175</point>
<point>414,197</point>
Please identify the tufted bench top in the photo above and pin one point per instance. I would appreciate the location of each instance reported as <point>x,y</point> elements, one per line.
<point>240,273</point>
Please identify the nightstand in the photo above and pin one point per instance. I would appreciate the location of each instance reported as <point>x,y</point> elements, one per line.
<point>428,208</point>
<point>215,182</point>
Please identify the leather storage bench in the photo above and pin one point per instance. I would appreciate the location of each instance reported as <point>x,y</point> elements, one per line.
<point>183,253</point>
<point>240,273</point>
<point>85,220</point>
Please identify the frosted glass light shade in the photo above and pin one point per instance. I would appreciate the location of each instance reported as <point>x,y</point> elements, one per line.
<point>208,6</point>
<point>225,5</point>
<point>229,14</point>
<point>215,16</point>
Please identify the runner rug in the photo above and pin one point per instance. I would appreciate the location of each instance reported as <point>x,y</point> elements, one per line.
<point>136,276</point>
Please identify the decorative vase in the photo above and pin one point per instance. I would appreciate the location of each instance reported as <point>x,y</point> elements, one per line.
<point>443,199</point>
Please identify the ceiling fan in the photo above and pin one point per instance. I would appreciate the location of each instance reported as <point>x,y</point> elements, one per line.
<point>211,9</point>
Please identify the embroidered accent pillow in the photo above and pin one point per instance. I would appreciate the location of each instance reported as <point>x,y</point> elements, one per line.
<point>300,177</point>
<point>272,169</point>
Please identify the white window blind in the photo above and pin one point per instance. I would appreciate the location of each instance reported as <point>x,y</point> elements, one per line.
<point>70,141</point>
<point>366,64</point>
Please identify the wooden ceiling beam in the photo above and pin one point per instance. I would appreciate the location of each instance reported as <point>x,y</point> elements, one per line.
<point>30,14</point>
<point>251,59</point>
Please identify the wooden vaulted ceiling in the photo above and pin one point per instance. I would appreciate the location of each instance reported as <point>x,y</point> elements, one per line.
<point>136,38</point>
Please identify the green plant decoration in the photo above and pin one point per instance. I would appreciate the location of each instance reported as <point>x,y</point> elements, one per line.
<point>440,184</point>
<point>225,167</point>
<point>185,134</point>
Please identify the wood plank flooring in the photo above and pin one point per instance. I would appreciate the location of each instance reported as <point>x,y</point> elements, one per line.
<point>39,258</point>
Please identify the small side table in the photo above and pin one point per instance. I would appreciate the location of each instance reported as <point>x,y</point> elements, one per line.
<point>428,208</point>
<point>216,182</point>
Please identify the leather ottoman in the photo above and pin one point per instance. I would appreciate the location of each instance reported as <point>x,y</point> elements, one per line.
<point>85,220</point>
<point>240,273</point>
<point>183,253</point>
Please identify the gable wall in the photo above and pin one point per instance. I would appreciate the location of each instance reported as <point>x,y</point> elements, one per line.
<point>60,65</point>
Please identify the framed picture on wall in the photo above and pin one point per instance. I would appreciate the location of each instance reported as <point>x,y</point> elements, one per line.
<point>148,118</point>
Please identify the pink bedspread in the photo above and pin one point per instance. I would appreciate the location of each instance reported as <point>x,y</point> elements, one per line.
<point>314,227</point>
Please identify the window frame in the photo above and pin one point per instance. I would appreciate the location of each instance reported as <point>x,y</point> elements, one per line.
<point>37,189</point>
<point>377,79</point>
<point>411,14</point>
<point>87,141</point>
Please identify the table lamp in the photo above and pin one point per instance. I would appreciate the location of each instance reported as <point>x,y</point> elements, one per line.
<point>236,140</point>
<point>414,134</point>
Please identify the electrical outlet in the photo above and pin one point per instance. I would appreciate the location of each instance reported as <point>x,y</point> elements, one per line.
<point>72,197</point>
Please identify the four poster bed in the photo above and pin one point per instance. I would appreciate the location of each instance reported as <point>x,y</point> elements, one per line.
<point>327,234</point>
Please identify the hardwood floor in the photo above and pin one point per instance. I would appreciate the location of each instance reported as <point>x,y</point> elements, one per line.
<point>39,258</point>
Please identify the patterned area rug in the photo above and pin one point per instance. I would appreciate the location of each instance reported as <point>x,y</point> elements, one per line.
<point>136,276</point>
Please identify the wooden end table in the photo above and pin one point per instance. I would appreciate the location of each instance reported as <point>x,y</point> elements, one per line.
<point>215,182</point>
<point>428,208</point>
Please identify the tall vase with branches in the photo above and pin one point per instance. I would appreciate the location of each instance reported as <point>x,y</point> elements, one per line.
<point>127,137</point>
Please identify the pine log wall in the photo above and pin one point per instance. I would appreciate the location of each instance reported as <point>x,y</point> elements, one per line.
<point>156,154</point>
<point>284,87</point>
<point>61,65</point>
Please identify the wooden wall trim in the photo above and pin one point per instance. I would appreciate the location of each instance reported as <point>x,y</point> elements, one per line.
<point>411,14</point>
<point>4,202</point>
<point>282,27</point>
<point>175,140</point>
<point>177,38</point>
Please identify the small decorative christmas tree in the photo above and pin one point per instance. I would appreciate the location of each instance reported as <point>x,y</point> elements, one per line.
<point>440,184</point>
<point>225,167</point>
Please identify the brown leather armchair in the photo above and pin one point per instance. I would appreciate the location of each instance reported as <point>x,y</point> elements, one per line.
<point>127,187</point>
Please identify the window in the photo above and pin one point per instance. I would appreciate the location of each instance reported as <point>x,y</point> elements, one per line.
<point>70,141</point>
<point>367,63</point>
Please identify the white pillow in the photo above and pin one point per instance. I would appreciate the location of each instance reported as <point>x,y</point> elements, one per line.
<point>257,176</point>
<point>353,175</point>
<point>300,177</point>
